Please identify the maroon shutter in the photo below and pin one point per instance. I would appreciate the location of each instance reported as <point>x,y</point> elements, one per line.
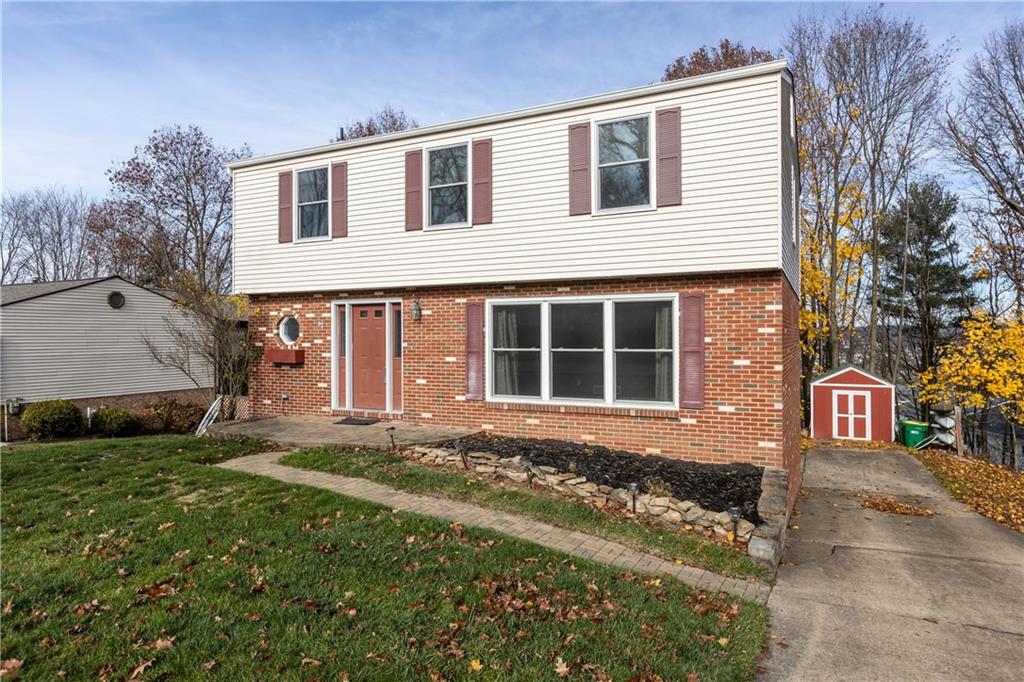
<point>481,182</point>
<point>474,351</point>
<point>579,169</point>
<point>284,207</point>
<point>670,191</point>
<point>414,190</point>
<point>339,199</point>
<point>691,351</point>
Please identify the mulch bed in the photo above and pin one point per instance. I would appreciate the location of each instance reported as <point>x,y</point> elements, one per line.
<point>713,486</point>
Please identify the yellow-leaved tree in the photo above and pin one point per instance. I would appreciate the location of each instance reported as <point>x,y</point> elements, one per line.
<point>981,370</point>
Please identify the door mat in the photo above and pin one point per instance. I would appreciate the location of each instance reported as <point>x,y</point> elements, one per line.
<point>357,421</point>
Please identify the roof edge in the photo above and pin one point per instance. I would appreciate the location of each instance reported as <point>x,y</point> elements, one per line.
<point>778,65</point>
<point>86,283</point>
<point>849,366</point>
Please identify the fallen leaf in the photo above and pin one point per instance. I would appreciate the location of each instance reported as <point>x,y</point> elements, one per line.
<point>160,644</point>
<point>723,641</point>
<point>475,665</point>
<point>165,525</point>
<point>139,669</point>
<point>561,668</point>
<point>10,666</point>
<point>311,661</point>
<point>209,665</point>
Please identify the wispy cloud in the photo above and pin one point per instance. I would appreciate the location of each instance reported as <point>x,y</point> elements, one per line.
<point>84,83</point>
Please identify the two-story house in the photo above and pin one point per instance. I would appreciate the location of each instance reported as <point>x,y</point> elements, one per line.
<point>619,269</point>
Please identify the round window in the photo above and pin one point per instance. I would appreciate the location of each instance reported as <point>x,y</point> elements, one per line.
<point>289,330</point>
<point>115,299</point>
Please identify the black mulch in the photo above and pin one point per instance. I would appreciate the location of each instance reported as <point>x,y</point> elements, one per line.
<point>713,486</point>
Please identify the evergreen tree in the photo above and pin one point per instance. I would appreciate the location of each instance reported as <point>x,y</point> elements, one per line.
<point>924,290</point>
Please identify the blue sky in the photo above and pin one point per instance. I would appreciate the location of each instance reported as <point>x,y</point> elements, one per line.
<point>84,83</point>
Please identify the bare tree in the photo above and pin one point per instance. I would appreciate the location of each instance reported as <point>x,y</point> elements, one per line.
<point>727,55</point>
<point>169,211</point>
<point>46,237</point>
<point>895,80</point>
<point>387,120</point>
<point>13,256</point>
<point>209,342</point>
<point>985,129</point>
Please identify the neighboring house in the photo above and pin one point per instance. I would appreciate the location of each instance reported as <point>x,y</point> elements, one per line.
<point>619,269</point>
<point>83,340</point>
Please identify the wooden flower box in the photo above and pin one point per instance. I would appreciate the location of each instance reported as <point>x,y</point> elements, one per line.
<point>284,356</point>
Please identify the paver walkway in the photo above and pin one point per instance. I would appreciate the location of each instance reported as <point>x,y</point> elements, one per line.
<point>301,431</point>
<point>866,595</point>
<point>568,541</point>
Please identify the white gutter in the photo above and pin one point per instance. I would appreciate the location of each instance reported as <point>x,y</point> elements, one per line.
<point>670,86</point>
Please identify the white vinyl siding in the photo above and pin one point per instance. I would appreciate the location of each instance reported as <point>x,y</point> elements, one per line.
<point>789,183</point>
<point>71,344</point>
<point>728,220</point>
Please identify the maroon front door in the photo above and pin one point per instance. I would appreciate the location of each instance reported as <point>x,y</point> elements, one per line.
<point>369,357</point>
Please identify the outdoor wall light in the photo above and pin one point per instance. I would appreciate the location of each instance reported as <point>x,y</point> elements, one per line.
<point>415,311</point>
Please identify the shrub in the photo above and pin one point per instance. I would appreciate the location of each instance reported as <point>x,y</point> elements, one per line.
<point>52,419</point>
<point>178,417</point>
<point>113,421</point>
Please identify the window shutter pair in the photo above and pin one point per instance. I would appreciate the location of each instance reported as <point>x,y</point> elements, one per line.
<point>338,203</point>
<point>480,185</point>
<point>668,157</point>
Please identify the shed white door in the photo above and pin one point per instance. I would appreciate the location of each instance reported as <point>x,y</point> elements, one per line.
<point>851,415</point>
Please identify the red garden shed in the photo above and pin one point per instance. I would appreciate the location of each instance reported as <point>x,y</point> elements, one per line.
<point>851,404</point>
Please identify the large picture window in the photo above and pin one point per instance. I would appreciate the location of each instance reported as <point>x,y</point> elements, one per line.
<point>616,350</point>
<point>624,163</point>
<point>448,182</point>
<point>312,203</point>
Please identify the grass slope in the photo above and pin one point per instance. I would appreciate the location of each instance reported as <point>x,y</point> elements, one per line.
<point>397,472</point>
<point>130,559</point>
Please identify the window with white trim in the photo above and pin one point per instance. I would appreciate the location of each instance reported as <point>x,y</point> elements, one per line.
<point>616,350</point>
<point>311,203</point>
<point>624,163</point>
<point>448,185</point>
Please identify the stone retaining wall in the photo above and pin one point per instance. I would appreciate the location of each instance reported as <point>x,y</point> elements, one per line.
<point>666,509</point>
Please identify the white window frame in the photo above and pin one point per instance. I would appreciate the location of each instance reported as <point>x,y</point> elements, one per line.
<point>608,350</point>
<point>297,221</point>
<point>469,185</point>
<point>280,330</point>
<point>595,125</point>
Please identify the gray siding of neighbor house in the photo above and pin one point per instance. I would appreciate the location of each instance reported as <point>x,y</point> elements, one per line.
<point>72,344</point>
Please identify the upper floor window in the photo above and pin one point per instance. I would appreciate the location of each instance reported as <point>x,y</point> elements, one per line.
<point>448,185</point>
<point>624,163</point>
<point>312,203</point>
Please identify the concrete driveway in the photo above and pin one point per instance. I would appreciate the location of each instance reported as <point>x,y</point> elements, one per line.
<point>866,595</point>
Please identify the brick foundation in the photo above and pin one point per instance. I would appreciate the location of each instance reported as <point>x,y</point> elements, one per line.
<point>135,403</point>
<point>752,369</point>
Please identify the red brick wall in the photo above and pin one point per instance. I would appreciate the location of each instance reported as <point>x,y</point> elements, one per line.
<point>135,403</point>
<point>749,319</point>
<point>791,387</point>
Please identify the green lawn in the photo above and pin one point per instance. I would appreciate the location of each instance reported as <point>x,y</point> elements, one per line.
<point>130,557</point>
<point>558,510</point>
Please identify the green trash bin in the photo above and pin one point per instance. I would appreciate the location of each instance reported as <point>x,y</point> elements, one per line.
<point>912,432</point>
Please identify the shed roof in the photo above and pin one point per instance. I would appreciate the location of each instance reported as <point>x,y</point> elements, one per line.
<point>847,368</point>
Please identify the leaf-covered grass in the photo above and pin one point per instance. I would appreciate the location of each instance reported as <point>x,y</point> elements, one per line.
<point>992,490</point>
<point>129,557</point>
<point>393,470</point>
